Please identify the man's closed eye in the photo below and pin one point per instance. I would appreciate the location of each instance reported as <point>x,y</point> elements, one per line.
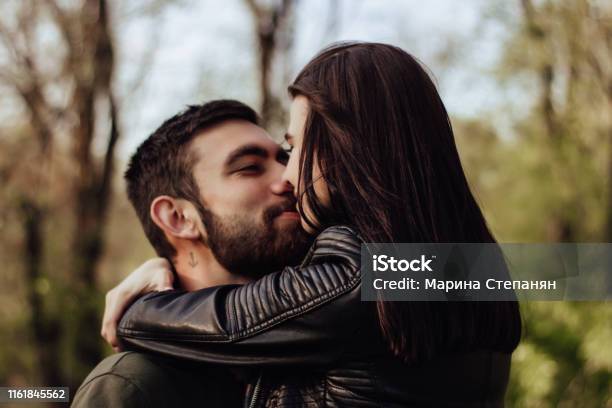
<point>251,169</point>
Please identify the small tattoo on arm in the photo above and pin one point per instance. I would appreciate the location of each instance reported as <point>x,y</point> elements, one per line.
<point>192,260</point>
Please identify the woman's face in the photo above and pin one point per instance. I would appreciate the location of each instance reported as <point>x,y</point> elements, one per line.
<point>295,138</point>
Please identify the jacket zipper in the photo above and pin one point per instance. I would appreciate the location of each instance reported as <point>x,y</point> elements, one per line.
<point>256,392</point>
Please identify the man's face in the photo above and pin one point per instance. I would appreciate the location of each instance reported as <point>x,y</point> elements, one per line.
<point>249,218</point>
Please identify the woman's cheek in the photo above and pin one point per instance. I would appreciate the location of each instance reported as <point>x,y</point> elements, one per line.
<point>293,168</point>
<point>320,186</point>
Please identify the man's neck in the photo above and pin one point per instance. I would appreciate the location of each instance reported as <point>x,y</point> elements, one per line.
<point>197,268</point>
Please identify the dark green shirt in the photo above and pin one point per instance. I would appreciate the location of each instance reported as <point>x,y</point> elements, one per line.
<point>132,379</point>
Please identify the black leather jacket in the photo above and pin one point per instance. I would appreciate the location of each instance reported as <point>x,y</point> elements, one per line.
<point>312,339</point>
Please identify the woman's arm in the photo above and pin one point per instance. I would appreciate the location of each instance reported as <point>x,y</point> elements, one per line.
<point>300,315</point>
<point>152,276</point>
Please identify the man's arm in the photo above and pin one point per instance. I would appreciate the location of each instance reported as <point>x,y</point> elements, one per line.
<point>302,315</point>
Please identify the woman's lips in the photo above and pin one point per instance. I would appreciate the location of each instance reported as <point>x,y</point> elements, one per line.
<point>289,214</point>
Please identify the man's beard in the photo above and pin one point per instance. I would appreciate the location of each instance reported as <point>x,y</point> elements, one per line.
<point>253,248</point>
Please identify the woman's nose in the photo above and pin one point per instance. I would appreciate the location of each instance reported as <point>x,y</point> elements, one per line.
<point>290,172</point>
<point>282,186</point>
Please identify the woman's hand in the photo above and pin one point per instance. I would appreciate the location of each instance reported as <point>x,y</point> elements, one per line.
<point>152,276</point>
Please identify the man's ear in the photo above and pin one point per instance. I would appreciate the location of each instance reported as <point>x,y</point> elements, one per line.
<point>175,216</point>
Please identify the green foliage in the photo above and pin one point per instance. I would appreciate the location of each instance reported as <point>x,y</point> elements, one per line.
<point>564,358</point>
<point>554,170</point>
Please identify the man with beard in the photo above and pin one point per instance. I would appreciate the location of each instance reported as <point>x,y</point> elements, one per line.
<point>207,189</point>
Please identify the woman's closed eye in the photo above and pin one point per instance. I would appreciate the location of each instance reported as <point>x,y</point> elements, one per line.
<point>282,156</point>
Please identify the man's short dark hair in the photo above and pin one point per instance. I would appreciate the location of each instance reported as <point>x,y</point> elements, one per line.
<point>162,164</point>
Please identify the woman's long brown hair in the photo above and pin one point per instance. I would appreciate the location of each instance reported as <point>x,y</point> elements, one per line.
<point>383,140</point>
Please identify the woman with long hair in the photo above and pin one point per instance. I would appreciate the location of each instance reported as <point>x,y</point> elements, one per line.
<point>373,160</point>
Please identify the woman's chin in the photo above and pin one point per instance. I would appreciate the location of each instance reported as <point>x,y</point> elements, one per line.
<point>307,227</point>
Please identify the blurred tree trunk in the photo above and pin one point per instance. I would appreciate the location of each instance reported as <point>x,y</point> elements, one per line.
<point>600,64</point>
<point>86,58</point>
<point>568,49</point>
<point>560,227</point>
<point>270,25</point>
<point>93,179</point>
<point>44,329</point>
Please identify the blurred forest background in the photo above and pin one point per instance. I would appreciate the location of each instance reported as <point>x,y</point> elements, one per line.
<point>528,84</point>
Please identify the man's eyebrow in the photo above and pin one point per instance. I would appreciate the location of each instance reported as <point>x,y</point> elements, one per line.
<point>248,150</point>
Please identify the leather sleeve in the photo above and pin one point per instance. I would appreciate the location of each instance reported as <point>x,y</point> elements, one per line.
<point>300,315</point>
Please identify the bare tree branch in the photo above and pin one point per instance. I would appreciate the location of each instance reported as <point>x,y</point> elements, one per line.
<point>64,24</point>
<point>268,23</point>
<point>10,42</point>
<point>30,90</point>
